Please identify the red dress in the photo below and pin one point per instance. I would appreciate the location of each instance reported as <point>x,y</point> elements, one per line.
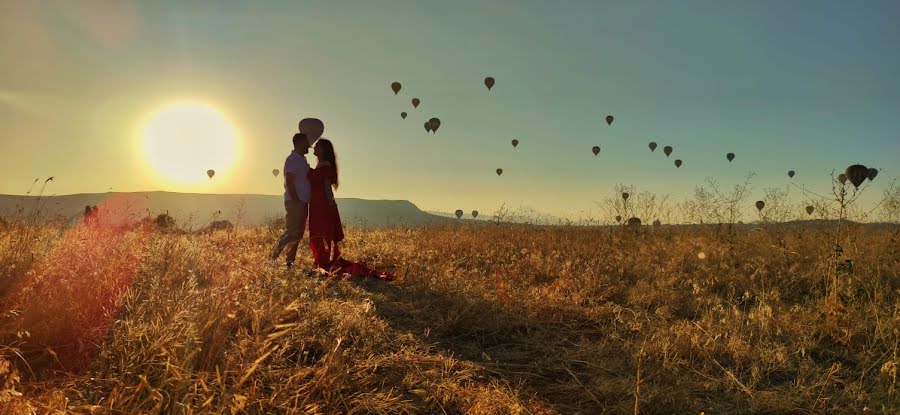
<point>324,220</point>
<point>325,230</point>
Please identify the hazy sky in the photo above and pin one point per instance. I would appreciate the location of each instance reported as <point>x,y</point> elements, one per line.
<point>805,85</point>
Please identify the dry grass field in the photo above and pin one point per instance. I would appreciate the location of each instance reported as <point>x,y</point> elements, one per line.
<point>485,318</point>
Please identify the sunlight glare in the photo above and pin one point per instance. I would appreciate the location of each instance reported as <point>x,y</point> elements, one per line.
<point>184,140</point>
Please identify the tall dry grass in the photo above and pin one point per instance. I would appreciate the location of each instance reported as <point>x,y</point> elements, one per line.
<point>484,318</point>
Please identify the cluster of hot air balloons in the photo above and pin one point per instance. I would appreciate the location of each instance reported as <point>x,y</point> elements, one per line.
<point>857,174</point>
<point>667,150</point>
<point>432,125</point>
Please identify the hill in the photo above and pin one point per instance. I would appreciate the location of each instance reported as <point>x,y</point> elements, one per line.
<point>195,210</point>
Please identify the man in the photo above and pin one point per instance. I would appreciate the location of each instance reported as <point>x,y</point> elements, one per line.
<point>297,190</point>
<point>296,199</point>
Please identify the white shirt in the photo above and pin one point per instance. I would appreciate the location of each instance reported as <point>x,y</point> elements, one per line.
<point>296,164</point>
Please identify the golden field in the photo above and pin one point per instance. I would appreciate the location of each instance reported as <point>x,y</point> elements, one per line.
<point>484,318</point>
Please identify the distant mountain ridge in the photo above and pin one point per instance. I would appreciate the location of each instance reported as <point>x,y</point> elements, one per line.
<point>198,209</point>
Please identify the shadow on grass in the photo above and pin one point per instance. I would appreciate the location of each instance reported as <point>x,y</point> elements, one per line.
<point>574,367</point>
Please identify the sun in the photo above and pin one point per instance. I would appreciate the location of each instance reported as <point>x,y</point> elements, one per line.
<point>184,140</point>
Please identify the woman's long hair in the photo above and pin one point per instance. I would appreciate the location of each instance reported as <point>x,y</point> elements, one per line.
<point>329,156</point>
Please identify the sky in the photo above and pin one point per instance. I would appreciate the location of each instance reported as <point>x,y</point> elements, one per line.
<point>809,86</point>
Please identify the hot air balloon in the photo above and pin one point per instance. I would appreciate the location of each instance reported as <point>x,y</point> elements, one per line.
<point>499,171</point>
<point>625,196</point>
<point>656,223</point>
<point>791,174</point>
<point>809,210</point>
<point>634,222</point>
<point>459,213</point>
<point>312,127</point>
<point>415,102</point>
<point>515,143</point>
<point>652,146</point>
<point>730,157</point>
<point>871,174</point>
<point>760,205</point>
<point>609,119</point>
<point>489,82</point>
<point>595,150</point>
<point>842,178</point>
<point>434,123</point>
<point>618,218</point>
<point>667,150</point>
<point>210,173</point>
<point>427,126</point>
<point>275,172</point>
<point>474,214</point>
<point>857,174</point>
<point>678,163</point>
<point>395,86</point>
<point>403,115</point>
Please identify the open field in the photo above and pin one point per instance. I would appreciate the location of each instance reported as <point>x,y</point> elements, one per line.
<point>483,318</point>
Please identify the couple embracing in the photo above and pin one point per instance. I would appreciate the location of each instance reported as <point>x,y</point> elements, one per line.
<point>309,193</point>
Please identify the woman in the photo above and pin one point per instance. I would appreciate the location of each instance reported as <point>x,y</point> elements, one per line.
<point>325,229</point>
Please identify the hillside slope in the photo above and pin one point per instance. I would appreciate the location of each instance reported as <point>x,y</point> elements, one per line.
<point>194,209</point>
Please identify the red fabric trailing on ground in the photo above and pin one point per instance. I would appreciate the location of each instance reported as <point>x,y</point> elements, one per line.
<point>327,256</point>
<point>344,268</point>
